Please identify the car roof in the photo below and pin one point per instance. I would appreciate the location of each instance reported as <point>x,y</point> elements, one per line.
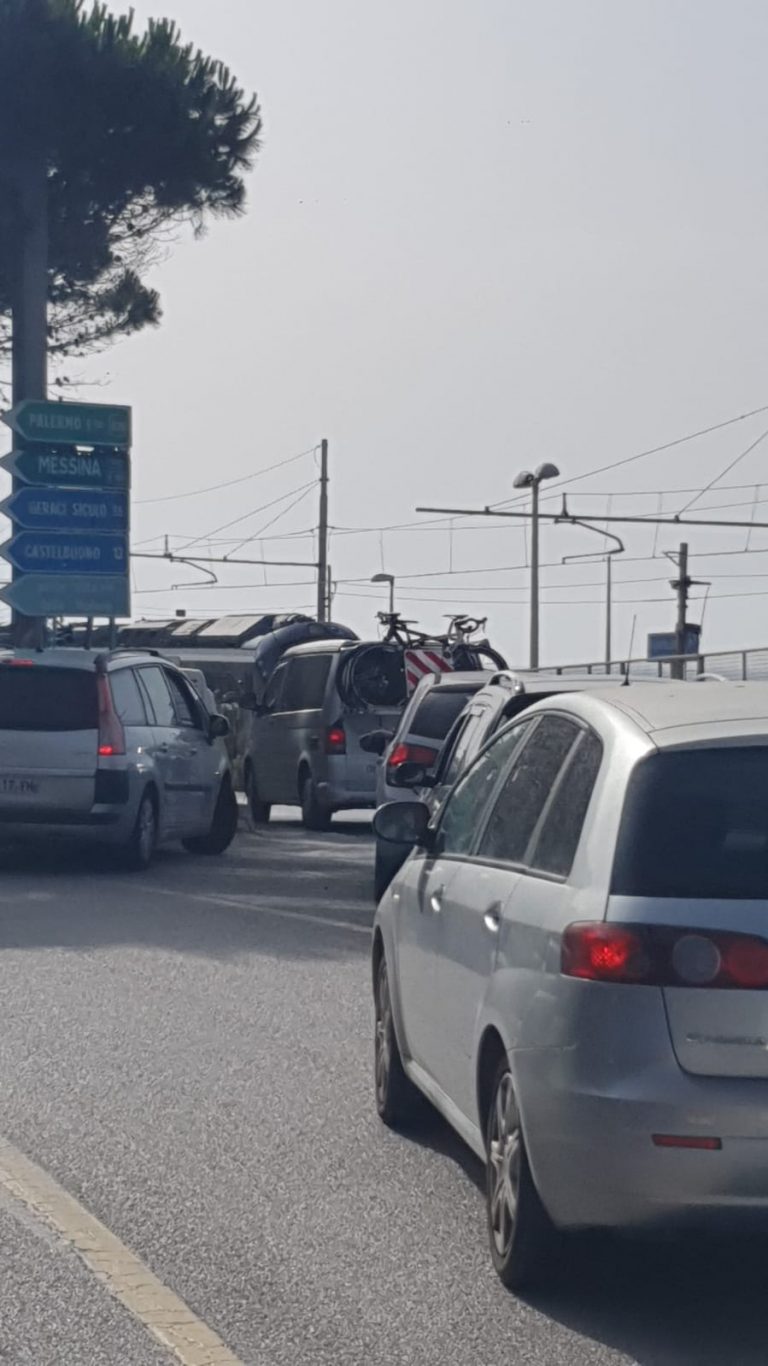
<point>74,657</point>
<point>457,681</point>
<point>678,712</point>
<point>325,647</point>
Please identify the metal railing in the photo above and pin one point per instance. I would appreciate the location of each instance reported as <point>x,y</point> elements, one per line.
<point>733,665</point>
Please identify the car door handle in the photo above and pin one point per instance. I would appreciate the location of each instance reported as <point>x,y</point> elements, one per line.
<point>436,900</point>
<point>492,918</point>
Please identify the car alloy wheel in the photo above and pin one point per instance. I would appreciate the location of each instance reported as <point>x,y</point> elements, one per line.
<point>382,1046</point>
<point>504,1157</point>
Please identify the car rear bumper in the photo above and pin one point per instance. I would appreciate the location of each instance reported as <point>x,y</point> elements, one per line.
<point>595,1162</point>
<point>338,798</point>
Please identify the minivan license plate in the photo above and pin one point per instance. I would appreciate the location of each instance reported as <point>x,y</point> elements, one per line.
<point>18,787</point>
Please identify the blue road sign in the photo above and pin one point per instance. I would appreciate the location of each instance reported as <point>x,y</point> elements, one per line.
<point>663,644</point>
<point>52,552</point>
<point>67,510</point>
<point>70,469</point>
<point>70,424</point>
<point>72,595</point>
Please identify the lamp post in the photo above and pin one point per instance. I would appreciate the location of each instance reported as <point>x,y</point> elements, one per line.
<point>532,480</point>
<point>390,579</point>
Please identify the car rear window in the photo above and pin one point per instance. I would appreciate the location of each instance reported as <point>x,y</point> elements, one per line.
<point>42,699</point>
<point>695,825</point>
<point>438,711</point>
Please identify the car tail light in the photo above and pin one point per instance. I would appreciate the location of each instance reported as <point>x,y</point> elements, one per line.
<point>111,733</point>
<point>664,956</point>
<point>336,740</point>
<point>411,754</point>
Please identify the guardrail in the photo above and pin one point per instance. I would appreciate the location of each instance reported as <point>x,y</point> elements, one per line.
<point>727,664</point>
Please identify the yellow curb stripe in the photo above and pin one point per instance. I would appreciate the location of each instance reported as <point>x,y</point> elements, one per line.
<point>166,1318</point>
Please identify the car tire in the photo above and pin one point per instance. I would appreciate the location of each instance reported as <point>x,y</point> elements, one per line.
<point>223,825</point>
<point>260,811</point>
<point>140,849</point>
<point>388,860</point>
<point>313,815</point>
<point>523,1239</point>
<point>398,1102</point>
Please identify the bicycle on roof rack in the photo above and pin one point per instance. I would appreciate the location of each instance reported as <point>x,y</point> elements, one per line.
<point>457,645</point>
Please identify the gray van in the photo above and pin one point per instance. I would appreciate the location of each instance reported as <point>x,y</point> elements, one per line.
<point>319,702</point>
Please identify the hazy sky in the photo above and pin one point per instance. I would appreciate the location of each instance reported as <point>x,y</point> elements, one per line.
<point>479,236</point>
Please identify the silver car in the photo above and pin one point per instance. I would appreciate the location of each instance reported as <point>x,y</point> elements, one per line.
<point>118,748</point>
<point>573,965</point>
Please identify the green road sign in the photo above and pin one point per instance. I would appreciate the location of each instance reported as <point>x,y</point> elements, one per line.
<point>73,595</point>
<point>70,424</point>
<point>70,469</point>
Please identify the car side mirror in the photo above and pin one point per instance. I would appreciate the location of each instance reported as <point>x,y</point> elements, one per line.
<point>218,727</point>
<point>376,741</point>
<point>411,775</point>
<point>403,823</point>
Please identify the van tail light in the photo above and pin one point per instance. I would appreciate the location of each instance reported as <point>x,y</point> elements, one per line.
<point>664,956</point>
<point>411,754</point>
<point>111,732</point>
<point>336,739</point>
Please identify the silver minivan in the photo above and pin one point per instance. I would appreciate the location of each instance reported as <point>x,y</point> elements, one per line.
<point>319,703</point>
<point>116,748</point>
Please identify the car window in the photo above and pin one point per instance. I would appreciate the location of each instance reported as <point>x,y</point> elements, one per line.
<point>560,833</point>
<point>127,699</point>
<point>467,744</point>
<point>38,698</point>
<point>526,789</point>
<point>695,825</point>
<point>274,689</point>
<point>161,702</point>
<point>186,708</point>
<point>305,682</point>
<point>466,805</point>
<point>437,713</point>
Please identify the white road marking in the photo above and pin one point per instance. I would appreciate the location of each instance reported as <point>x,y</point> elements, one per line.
<point>166,1317</point>
<point>253,904</point>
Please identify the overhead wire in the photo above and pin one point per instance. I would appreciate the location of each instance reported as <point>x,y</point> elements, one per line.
<point>707,487</point>
<point>227,483</point>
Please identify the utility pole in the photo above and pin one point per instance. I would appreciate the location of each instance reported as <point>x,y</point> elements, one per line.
<point>532,480</point>
<point>322,537</point>
<point>30,323</point>
<point>682,585</point>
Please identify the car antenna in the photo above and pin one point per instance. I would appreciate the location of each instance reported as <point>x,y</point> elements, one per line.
<point>625,684</point>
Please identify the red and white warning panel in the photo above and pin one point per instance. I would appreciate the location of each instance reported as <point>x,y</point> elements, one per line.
<point>419,663</point>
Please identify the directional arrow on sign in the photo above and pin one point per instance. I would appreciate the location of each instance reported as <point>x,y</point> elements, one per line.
<point>43,595</point>
<point>52,552</point>
<point>70,469</point>
<point>70,424</point>
<point>37,509</point>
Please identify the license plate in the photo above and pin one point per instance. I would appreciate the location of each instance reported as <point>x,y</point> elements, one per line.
<point>18,787</point>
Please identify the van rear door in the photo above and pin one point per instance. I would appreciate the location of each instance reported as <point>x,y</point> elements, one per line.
<point>48,740</point>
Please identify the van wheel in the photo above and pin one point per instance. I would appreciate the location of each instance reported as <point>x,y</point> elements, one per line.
<point>223,825</point>
<point>260,811</point>
<point>313,815</point>
<point>139,851</point>
<point>524,1241</point>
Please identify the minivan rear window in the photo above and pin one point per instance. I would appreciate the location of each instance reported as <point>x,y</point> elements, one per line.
<point>36,698</point>
<point>437,713</point>
<point>695,825</point>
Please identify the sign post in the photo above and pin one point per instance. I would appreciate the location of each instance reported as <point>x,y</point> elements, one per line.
<point>70,509</point>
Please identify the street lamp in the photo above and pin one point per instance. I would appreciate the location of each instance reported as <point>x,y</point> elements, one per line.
<point>532,480</point>
<point>390,579</point>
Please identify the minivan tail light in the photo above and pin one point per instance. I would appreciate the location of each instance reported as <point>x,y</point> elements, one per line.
<point>111,732</point>
<point>336,740</point>
<point>664,956</point>
<point>411,754</point>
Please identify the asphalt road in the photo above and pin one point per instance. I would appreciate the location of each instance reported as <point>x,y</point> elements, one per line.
<point>187,1052</point>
